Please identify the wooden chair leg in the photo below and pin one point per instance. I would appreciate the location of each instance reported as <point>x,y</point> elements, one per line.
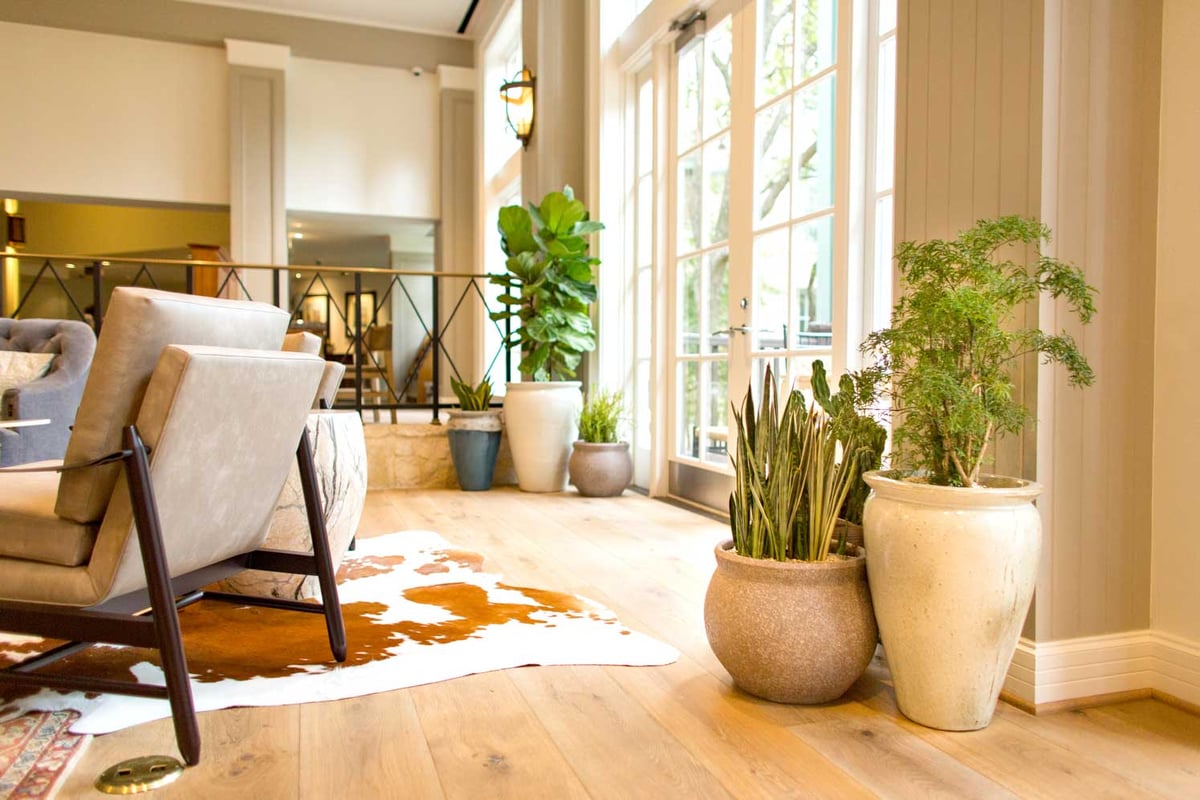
<point>326,574</point>
<point>162,599</point>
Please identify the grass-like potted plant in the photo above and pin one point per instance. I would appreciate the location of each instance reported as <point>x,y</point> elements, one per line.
<point>548,287</point>
<point>474,435</point>
<point>952,553</point>
<point>600,464</point>
<point>790,621</point>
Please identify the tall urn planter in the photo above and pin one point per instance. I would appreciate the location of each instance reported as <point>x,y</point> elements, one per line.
<point>952,573</point>
<point>542,421</point>
<point>790,631</point>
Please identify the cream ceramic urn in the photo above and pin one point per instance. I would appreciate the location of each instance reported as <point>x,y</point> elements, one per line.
<point>952,572</point>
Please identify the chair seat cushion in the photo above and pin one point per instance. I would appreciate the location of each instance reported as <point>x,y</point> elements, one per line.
<point>29,528</point>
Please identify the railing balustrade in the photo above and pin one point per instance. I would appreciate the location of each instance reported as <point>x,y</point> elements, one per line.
<point>411,301</point>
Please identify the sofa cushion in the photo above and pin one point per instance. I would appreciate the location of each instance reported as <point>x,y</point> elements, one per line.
<point>139,324</point>
<point>29,528</point>
<point>17,368</point>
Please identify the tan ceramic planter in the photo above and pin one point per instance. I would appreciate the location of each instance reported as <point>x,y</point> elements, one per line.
<point>952,573</point>
<point>600,469</point>
<point>791,632</point>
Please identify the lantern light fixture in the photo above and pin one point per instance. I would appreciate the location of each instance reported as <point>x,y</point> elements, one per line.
<point>517,95</point>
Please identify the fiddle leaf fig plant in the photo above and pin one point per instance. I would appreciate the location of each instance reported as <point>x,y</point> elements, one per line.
<point>852,427</point>
<point>955,340</point>
<point>549,284</point>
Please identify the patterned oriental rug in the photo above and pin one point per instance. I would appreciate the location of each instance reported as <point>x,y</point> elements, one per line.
<point>37,753</point>
<point>417,611</point>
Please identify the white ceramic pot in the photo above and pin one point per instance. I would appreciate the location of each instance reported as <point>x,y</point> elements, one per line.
<point>542,420</point>
<point>952,572</point>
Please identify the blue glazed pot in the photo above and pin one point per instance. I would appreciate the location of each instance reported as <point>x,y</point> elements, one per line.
<point>474,438</point>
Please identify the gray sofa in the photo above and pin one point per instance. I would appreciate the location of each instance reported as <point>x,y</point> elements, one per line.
<point>54,396</point>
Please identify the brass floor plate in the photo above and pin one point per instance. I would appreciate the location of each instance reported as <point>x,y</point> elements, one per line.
<point>137,775</point>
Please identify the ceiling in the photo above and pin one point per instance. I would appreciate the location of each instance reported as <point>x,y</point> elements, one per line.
<point>429,16</point>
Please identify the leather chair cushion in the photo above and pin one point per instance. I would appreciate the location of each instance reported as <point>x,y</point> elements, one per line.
<point>139,324</point>
<point>29,528</point>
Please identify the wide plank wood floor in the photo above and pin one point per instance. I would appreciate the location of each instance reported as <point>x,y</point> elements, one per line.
<point>680,731</point>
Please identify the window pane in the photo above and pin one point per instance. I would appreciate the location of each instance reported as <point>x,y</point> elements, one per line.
<point>688,442</point>
<point>813,121</point>
<point>717,285</point>
<point>645,131</point>
<point>816,34</point>
<point>812,282</point>
<point>718,64</point>
<point>887,16</point>
<point>716,190</point>
<point>689,306</point>
<point>645,213</point>
<point>641,414</point>
<point>715,451</point>
<point>885,132</point>
<point>773,163</point>
<point>775,31</point>
<point>689,95</point>
<point>643,320</point>
<point>770,289</point>
<point>882,295</point>
<point>689,203</point>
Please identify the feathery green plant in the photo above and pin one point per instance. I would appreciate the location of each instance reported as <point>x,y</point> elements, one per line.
<point>952,345</point>
<point>478,398</point>
<point>600,417</point>
<point>789,484</point>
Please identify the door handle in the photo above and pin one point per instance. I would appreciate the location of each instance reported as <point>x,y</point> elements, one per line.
<point>734,329</point>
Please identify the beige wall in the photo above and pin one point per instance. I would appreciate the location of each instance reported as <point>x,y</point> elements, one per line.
<point>362,140</point>
<point>1049,108</point>
<point>1176,590</point>
<point>102,116</point>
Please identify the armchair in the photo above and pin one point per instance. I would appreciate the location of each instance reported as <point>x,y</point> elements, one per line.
<point>180,448</point>
<point>54,396</point>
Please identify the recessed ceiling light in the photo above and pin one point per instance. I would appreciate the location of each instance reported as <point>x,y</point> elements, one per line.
<point>70,266</point>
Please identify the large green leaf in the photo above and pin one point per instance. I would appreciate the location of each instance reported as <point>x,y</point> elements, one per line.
<point>516,230</point>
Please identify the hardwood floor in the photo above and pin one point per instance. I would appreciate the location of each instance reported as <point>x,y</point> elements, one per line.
<point>679,731</point>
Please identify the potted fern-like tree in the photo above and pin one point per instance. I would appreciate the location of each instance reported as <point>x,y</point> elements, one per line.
<point>548,288</point>
<point>790,620</point>
<point>600,464</point>
<point>474,435</point>
<point>952,552</point>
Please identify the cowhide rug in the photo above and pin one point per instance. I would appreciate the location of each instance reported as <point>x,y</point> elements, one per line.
<point>417,611</point>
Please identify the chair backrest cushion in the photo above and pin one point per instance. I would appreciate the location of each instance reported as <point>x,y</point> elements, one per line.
<point>138,325</point>
<point>222,426</point>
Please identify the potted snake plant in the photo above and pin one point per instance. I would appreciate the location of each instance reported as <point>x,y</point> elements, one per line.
<point>790,620</point>
<point>953,552</point>
<point>474,435</point>
<point>600,464</point>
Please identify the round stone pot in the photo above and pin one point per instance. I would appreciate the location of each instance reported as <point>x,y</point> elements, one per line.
<point>790,632</point>
<point>952,573</point>
<point>600,469</point>
<point>542,419</point>
<point>474,438</point>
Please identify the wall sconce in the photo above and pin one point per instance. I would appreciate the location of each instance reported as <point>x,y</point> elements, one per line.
<point>517,95</point>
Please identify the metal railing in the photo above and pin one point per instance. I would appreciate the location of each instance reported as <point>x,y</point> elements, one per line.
<point>78,287</point>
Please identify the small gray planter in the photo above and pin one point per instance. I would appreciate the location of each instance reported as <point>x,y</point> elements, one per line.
<point>474,438</point>
<point>600,469</point>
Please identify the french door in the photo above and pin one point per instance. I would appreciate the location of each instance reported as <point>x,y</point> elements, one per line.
<point>756,207</point>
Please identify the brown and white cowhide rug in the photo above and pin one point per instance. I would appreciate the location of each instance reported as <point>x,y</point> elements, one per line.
<point>417,611</point>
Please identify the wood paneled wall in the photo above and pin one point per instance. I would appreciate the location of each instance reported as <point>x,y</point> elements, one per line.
<point>1049,108</point>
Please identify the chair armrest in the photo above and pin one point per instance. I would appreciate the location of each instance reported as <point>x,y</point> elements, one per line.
<point>55,396</point>
<point>111,458</point>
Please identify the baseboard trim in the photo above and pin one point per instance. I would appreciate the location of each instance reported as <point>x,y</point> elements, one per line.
<point>1075,673</point>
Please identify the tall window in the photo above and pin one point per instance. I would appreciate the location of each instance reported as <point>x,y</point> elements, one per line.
<point>501,177</point>
<point>883,89</point>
